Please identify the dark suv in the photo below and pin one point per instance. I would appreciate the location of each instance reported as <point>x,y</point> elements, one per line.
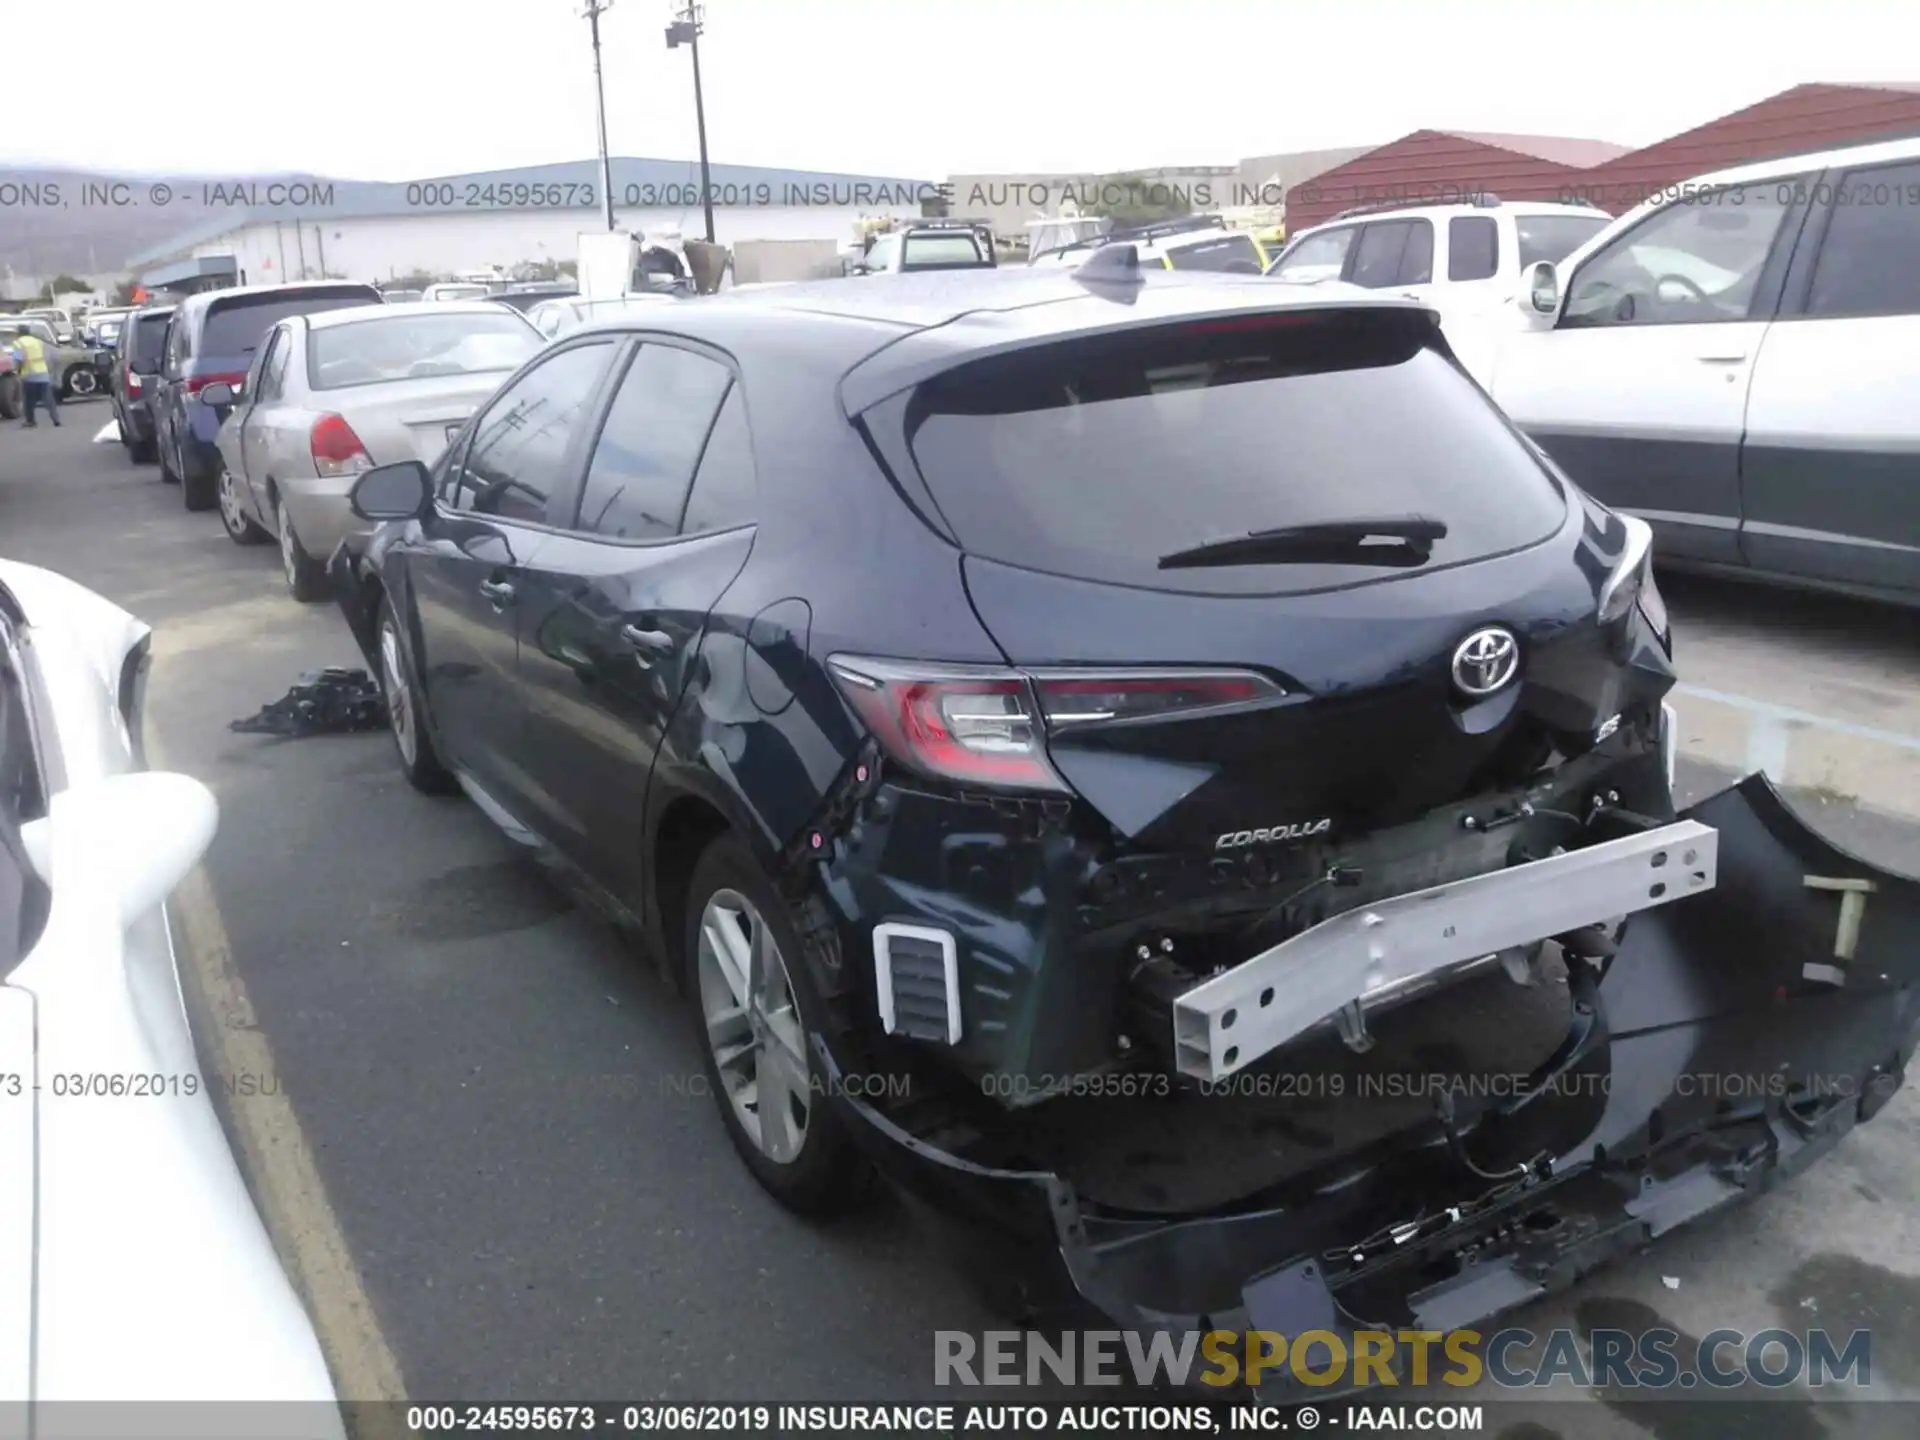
<point>136,377</point>
<point>1051,721</point>
<point>213,337</point>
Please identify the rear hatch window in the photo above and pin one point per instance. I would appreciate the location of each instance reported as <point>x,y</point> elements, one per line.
<point>149,338</point>
<point>236,326</point>
<point>1099,458</point>
<point>1234,252</point>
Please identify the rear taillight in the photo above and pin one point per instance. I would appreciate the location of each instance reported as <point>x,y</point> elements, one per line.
<point>980,725</point>
<point>336,449</point>
<point>196,383</point>
<point>134,383</point>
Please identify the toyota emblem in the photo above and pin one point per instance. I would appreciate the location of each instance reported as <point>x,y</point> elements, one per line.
<point>1485,661</point>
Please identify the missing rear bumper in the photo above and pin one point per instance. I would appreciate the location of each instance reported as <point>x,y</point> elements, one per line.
<point>1704,1065</point>
<point>1251,1010</point>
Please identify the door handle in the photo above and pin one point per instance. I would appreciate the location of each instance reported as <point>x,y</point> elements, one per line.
<point>498,592</point>
<point>1731,357</point>
<point>656,642</point>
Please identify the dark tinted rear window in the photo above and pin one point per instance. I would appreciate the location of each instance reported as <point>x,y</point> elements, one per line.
<point>1094,458</point>
<point>236,326</point>
<point>149,337</point>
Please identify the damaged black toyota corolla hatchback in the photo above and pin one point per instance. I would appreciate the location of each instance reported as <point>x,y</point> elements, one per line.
<point>1053,724</point>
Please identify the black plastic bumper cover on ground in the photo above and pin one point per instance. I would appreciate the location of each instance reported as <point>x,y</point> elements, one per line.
<point>1726,1047</point>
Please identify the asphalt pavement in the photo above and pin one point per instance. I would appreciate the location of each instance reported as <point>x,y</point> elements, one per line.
<point>474,1120</point>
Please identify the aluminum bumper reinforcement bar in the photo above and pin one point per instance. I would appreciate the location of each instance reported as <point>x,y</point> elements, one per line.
<point>1225,1023</point>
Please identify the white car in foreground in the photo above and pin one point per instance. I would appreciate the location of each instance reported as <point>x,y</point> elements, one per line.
<point>133,1265</point>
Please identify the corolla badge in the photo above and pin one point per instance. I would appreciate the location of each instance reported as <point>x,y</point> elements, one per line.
<point>1485,661</point>
<point>1301,830</point>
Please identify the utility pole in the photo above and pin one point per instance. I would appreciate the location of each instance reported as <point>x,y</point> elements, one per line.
<point>595,9</point>
<point>685,30</point>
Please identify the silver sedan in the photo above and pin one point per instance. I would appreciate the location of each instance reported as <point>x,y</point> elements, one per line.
<point>333,394</point>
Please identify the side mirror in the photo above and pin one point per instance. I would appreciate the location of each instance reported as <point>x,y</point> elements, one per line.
<point>128,840</point>
<point>1541,296</point>
<point>218,393</point>
<point>401,491</point>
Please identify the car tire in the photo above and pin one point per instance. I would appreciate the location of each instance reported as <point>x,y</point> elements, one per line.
<point>79,382</point>
<point>757,1014</point>
<point>306,576</point>
<point>11,398</point>
<point>406,715</point>
<point>168,475</point>
<point>140,452</point>
<point>241,527</point>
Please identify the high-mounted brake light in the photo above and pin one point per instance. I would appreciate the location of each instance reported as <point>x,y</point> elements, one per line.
<point>982,725</point>
<point>336,449</point>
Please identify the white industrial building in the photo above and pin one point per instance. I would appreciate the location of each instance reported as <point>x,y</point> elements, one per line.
<point>359,230</point>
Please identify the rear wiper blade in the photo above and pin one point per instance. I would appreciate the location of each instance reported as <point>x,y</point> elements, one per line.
<point>1409,543</point>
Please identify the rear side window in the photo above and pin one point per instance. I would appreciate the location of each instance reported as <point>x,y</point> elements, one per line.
<point>236,326</point>
<point>1235,253</point>
<point>1473,247</point>
<point>1095,458</point>
<point>724,487</point>
<point>951,249</point>
<point>643,461</point>
<point>1870,259</point>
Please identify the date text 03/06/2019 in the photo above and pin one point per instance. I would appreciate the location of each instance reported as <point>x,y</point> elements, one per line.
<point>911,1419</point>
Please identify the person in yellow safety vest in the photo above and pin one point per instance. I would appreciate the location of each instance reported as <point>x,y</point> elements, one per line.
<point>36,380</point>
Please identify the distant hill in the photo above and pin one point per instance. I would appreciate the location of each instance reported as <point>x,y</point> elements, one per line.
<point>89,222</point>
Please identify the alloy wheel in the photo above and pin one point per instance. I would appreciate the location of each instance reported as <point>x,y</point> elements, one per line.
<point>753,1026</point>
<point>393,680</point>
<point>289,549</point>
<point>231,514</point>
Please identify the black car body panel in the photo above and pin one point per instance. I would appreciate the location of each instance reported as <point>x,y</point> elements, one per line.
<point>143,337</point>
<point>618,700</point>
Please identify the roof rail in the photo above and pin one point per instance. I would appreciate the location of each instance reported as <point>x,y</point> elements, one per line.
<point>945,222</point>
<point>1138,234</point>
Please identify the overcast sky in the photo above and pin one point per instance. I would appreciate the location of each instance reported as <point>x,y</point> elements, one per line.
<point>403,89</point>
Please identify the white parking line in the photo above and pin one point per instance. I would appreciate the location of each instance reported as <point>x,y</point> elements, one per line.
<point>278,1157</point>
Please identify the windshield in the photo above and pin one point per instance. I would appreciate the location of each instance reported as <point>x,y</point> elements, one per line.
<point>1092,457</point>
<point>1554,237</point>
<point>238,325</point>
<point>412,347</point>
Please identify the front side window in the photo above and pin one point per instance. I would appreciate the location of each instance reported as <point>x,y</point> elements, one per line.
<point>1473,247</point>
<point>1316,257</point>
<point>1870,258</point>
<point>1698,258</point>
<point>643,461</point>
<point>518,447</point>
<point>1383,244</point>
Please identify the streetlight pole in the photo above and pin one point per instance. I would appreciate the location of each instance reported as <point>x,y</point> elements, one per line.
<point>595,9</point>
<point>686,30</point>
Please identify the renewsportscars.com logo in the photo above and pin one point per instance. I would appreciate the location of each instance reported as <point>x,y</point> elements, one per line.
<point>1513,1359</point>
